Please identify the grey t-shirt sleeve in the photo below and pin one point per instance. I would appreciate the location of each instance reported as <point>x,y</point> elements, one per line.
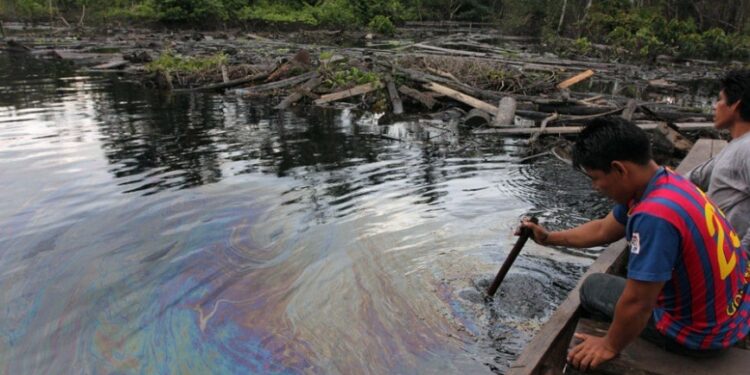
<point>701,174</point>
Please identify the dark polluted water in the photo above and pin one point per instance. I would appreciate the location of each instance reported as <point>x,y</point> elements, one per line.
<point>197,234</point>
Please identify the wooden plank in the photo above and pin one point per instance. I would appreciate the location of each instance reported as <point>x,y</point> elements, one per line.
<point>461,97</point>
<point>643,357</point>
<point>577,129</point>
<point>354,91</point>
<point>575,79</point>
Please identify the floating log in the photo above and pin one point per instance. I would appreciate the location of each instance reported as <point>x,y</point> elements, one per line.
<point>417,95</point>
<point>348,93</point>
<point>398,107</point>
<point>577,129</point>
<point>575,79</point>
<point>461,97</point>
<point>84,58</point>
<point>506,112</point>
<point>300,92</point>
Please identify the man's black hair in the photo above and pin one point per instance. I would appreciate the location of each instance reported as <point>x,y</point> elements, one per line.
<point>606,139</point>
<point>736,86</point>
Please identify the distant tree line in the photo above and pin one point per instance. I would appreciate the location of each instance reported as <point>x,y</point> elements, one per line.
<point>647,27</point>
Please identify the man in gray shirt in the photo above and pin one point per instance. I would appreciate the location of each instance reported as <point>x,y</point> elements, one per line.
<point>726,177</point>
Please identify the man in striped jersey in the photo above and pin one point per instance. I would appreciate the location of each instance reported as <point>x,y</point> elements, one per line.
<point>688,280</point>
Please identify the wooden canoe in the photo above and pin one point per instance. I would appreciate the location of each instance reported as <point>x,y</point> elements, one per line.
<point>546,352</point>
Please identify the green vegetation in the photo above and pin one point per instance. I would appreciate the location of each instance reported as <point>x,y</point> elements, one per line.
<point>637,29</point>
<point>171,63</point>
<point>382,24</point>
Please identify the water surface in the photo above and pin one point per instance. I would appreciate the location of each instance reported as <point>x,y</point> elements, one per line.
<point>197,234</point>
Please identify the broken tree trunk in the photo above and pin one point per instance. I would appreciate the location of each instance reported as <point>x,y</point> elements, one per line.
<point>354,91</point>
<point>2,30</point>
<point>461,97</point>
<point>398,106</point>
<point>297,95</point>
<point>575,79</point>
<point>506,112</point>
<point>417,95</point>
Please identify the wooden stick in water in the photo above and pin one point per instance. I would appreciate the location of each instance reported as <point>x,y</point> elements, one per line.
<point>522,238</point>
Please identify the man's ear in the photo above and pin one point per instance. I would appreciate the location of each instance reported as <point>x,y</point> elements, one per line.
<point>619,167</point>
<point>736,108</point>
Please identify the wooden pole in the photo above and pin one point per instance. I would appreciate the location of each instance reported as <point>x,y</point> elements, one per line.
<point>522,238</point>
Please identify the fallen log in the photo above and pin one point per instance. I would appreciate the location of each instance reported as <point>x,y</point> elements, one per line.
<point>417,95</point>
<point>114,64</point>
<point>348,93</point>
<point>461,97</point>
<point>226,85</point>
<point>398,106</point>
<point>577,129</point>
<point>284,83</point>
<point>506,112</point>
<point>300,92</point>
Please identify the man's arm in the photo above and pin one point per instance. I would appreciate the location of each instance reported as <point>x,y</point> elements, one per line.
<point>701,174</point>
<point>632,313</point>
<point>593,233</point>
<point>746,240</point>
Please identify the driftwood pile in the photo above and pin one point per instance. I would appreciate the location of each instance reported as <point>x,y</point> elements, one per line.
<point>495,90</point>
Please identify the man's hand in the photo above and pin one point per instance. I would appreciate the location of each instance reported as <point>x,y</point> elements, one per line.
<point>590,353</point>
<point>539,234</point>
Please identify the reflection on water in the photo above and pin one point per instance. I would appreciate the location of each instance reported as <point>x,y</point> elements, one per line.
<point>206,234</point>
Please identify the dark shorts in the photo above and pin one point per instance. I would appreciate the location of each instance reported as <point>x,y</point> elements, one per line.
<point>599,295</point>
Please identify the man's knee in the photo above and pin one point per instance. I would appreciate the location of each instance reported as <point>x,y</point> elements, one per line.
<point>590,289</point>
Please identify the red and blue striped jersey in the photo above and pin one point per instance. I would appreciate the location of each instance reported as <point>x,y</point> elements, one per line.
<point>677,235</point>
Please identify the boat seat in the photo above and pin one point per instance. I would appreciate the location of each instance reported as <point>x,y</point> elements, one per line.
<point>644,358</point>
